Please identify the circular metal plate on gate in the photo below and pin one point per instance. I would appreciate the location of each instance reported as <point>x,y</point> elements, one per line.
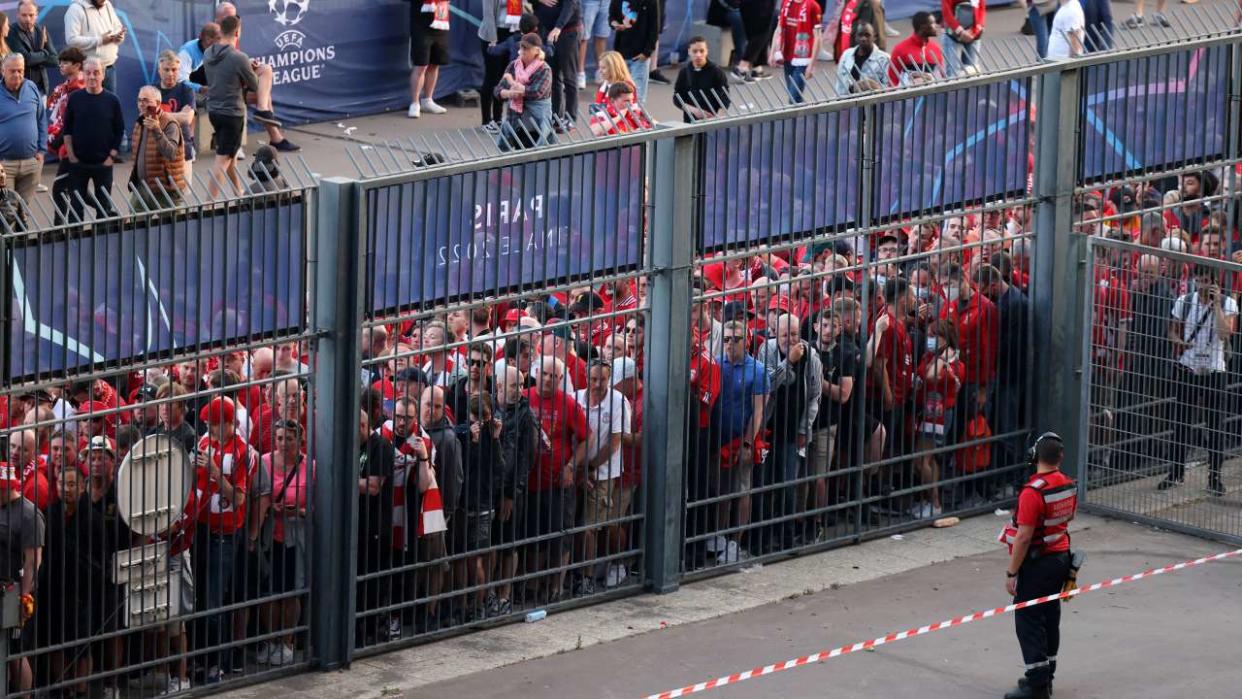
<point>152,485</point>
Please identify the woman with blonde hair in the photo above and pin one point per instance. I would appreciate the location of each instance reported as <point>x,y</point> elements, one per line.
<point>612,69</point>
<point>4,35</point>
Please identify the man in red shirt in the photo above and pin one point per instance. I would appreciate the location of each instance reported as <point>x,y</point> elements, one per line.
<point>562,454</point>
<point>918,58</point>
<point>223,467</point>
<point>978,329</point>
<point>1039,563</point>
<point>890,356</point>
<point>796,43</point>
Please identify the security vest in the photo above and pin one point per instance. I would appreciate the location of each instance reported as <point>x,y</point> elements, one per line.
<point>1060,495</point>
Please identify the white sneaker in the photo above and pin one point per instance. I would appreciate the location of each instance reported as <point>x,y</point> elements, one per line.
<point>616,575</point>
<point>263,653</point>
<point>825,55</point>
<point>716,544</point>
<point>429,105</point>
<point>581,81</point>
<point>394,628</point>
<point>414,111</point>
<point>109,692</point>
<point>176,685</point>
<point>241,154</point>
<point>729,554</point>
<point>41,188</point>
<point>281,655</point>
<point>922,510</point>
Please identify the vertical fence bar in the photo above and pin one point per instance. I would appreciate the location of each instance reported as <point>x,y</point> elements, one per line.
<point>1058,263</point>
<point>672,244</point>
<point>338,317</point>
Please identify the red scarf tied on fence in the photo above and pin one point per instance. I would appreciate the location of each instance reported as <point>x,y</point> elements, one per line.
<point>439,11</point>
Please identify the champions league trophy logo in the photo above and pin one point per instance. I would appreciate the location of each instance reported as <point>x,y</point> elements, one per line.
<point>288,13</point>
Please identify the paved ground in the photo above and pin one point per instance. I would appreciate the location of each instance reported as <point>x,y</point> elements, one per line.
<point>731,623</point>
<point>1164,637</point>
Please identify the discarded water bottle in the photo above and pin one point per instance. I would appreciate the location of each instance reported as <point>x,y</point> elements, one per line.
<point>537,615</point>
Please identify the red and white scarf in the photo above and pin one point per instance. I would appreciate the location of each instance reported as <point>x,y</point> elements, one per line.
<point>513,14</point>
<point>404,462</point>
<point>440,13</point>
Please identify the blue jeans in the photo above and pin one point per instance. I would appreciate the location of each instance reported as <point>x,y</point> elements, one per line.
<point>530,129</point>
<point>958,55</point>
<point>1099,25</point>
<point>109,81</point>
<point>795,82</point>
<point>214,561</point>
<point>1039,25</point>
<point>639,71</point>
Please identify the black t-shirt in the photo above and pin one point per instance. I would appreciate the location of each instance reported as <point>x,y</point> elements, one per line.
<point>842,359</point>
<point>375,511</point>
<point>21,528</point>
<point>183,434</point>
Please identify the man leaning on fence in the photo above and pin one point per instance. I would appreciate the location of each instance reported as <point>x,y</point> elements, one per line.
<point>1203,322</point>
<point>158,177</point>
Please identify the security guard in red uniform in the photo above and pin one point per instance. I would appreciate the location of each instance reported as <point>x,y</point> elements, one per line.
<point>1039,563</point>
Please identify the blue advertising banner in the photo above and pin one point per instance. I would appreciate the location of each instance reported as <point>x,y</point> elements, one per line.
<point>778,178</point>
<point>489,231</point>
<point>105,297</point>
<point>1155,112</point>
<point>938,151</point>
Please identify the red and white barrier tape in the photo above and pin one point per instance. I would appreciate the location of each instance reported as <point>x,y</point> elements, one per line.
<point>911,633</point>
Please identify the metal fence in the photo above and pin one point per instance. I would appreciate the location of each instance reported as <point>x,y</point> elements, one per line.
<point>548,377</point>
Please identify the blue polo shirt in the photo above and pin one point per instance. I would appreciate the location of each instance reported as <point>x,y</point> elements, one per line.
<point>739,384</point>
<point>23,122</point>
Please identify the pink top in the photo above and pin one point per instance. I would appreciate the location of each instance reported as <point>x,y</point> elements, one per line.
<point>293,496</point>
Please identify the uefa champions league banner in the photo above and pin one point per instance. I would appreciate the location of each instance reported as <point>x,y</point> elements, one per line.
<point>1153,113</point>
<point>106,296</point>
<point>772,179</point>
<point>492,231</point>
<point>939,151</point>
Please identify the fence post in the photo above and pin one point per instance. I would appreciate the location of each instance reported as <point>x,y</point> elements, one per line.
<point>337,319</point>
<point>671,248</point>
<point>1059,262</point>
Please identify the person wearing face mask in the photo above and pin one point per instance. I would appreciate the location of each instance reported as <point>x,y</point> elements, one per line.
<point>890,358</point>
<point>937,381</point>
<point>978,326</point>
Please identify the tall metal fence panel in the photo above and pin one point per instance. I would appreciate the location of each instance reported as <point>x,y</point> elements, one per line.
<point>472,387</point>
<point>157,412</point>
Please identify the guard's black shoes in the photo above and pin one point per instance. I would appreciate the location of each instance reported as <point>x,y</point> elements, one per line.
<point>1024,690</point>
<point>1023,683</point>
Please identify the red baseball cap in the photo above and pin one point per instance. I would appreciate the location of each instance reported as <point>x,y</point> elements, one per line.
<point>779,303</point>
<point>514,315</point>
<point>219,409</point>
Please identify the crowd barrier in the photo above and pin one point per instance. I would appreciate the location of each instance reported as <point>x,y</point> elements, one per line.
<point>335,418</point>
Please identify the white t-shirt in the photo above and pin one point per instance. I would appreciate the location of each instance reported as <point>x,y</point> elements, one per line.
<point>1206,352</point>
<point>611,416</point>
<point>1069,19</point>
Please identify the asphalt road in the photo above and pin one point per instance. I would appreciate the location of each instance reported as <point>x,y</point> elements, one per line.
<point>1170,636</point>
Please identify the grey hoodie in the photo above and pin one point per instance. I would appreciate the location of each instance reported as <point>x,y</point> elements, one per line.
<point>229,75</point>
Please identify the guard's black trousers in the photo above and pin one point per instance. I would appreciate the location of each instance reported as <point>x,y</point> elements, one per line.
<point>1039,627</point>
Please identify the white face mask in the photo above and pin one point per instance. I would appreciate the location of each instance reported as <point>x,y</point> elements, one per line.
<point>881,280</point>
<point>952,293</point>
<point>931,344</point>
<point>921,293</point>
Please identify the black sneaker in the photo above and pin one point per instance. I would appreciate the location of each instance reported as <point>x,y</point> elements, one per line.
<point>286,146</point>
<point>656,76</point>
<point>738,75</point>
<point>760,74</point>
<point>265,117</point>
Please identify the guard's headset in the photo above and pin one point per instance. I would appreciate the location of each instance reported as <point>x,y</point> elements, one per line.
<point>1032,453</point>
